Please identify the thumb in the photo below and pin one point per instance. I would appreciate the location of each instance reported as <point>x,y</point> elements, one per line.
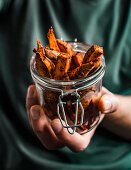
<point>108,103</point>
<point>56,125</point>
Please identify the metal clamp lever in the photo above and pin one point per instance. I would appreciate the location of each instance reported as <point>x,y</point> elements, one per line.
<point>78,103</point>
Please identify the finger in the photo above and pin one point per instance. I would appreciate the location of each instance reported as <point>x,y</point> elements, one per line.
<point>108,103</point>
<point>31,98</point>
<point>75,142</point>
<point>43,129</point>
<point>105,91</point>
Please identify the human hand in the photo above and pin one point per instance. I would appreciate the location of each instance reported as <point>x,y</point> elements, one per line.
<point>53,135</point>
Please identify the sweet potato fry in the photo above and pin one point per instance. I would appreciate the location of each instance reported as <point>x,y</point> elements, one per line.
<point>78,59</point>
<point>34,50</point>
<point>39,46</point>
<point>92,54</point>
<point>73,72</point>
<point>49,64</point>
<point>66,77</point>
<point>52,40</point>
<point>81,71</point>
<point>40,67</point>
<point>97,64</point>
<point>39,49</point>
<point>72,65</point>
<point>65,47</point>
<point>52,54</point>
<point>62,66</point>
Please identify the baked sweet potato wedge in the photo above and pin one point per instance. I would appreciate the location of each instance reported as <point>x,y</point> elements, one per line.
<point>93,53</point>
<point>40,48</point>
<point>52,54</point>
<point>34,50</point>
<point>81,71</point>
<point>72,65</point>
<point>52,40</point>
<point>65,47</point>
<point>49,64</point>
<point>66,77</point>
<point>40,67</point>
<point>97,64</point>
<point>62,66</point>
<point>77,59</point>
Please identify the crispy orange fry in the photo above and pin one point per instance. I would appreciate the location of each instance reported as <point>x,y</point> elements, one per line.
<point>52,54</point>
<point>66,77</point>
<point>97,63</point>
<point>62,66</point>
<point>39,46</point>
<point>72,65</point>
<point>49,64</point>
<point>41,68</point>
<point>39,49</point>
<point>34,50</point>
<point>40,52</point>
<point>81,71</point>
<point>92,54</point>
<point>65,47</point>
<point>52,40</point>
<point>78,59</point>
<point>73,72</point>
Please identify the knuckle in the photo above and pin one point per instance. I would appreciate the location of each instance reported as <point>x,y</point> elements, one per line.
<point>80,148</point>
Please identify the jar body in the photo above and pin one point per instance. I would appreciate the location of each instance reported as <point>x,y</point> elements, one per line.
<point>89,98</point>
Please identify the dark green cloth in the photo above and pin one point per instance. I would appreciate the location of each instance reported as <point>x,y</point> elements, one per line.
<point>103,22</point>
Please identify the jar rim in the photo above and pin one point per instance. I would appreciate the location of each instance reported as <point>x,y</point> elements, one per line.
<point>92,78</point>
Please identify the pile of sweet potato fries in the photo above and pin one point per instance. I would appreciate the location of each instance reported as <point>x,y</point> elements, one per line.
<point>58,61</point>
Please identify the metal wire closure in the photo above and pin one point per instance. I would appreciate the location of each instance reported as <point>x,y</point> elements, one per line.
<point>78,103</point>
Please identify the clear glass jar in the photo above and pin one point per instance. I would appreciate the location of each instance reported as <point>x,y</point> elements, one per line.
<point>74,102</point>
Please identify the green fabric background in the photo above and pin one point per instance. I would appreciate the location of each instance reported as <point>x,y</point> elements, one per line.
<point>103,22</point>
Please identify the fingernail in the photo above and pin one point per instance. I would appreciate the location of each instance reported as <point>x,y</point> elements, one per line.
<point>107,105</point>
<point>56,125</point>
<point>35,113</point>
<point>30,92</point>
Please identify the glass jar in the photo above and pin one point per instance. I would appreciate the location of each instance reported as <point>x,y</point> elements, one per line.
<point>74,102</point>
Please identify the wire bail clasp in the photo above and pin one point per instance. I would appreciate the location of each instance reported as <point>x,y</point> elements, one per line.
<point>61,105</point>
